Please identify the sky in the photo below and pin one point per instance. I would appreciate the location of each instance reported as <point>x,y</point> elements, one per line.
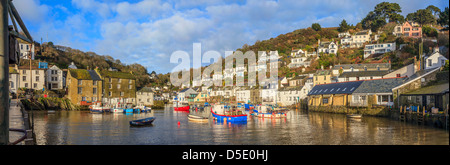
<point>149,31</point>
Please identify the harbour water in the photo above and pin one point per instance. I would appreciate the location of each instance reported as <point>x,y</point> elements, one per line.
<point>298,128</point>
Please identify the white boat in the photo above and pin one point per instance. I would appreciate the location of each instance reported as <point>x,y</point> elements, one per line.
<point>98,108</point>
<point>355,116</point>
<point>117,110</point>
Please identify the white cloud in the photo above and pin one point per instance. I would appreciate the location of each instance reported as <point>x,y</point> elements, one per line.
<point>31,10</point>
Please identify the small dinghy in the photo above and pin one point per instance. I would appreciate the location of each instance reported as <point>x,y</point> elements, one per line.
<point>142,122</point>
<point>354,116</point>
<point>197,118</point>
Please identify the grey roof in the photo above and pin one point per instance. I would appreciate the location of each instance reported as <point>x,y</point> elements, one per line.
<point>419,73</point>
<point>145,89</point>
<point>364,73</point>
<point>94,75</point>
<point>379,86</point>
<point>335,88</point>
<point>184,90</point>
<point>361,66</point>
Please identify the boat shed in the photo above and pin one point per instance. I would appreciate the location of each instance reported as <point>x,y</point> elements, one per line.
<point>334,94</point>
<point>435,96</point>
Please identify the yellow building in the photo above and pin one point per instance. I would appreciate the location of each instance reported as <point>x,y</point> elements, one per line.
<point>322,77</point>
<point>84,86</point>
<point>202,97</point>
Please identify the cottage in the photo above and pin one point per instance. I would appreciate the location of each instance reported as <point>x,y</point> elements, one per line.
<point>339,69</point>
<point>243,95</point>
<point>145,96</point>
<point>327,47</point>
<point>322,77</point>
<point>334,94</point>
<point>184,94</point>
<point>25,49</point>
<point>375,92</point>
<point>33,79</point>
<point>55,78</point>
<point>288,96</point>
<point>434,60</point>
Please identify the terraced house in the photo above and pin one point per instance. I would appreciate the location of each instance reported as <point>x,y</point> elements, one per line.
<point>118,87</point>
<point>84,86</point>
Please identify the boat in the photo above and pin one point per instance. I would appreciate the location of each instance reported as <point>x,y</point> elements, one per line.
<point>222,112</point>
<point>249,107</point>
<point>354,116</point>
<point>267,111</point>
<point>128,109</point>
<point>142,122</point>
<point>117,110</point>
<point>197,118</point>
<point>183,108</point>
<point>97,108</point>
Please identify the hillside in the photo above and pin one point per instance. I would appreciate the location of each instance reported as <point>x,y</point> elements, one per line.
<point>62,56</point>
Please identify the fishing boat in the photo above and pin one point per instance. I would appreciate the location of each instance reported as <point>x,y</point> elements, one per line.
<point>142,122</point>
<point>97,108</point>
<point>181,108</point>
<point>222,112</point>
<point>197,118</point>
<point>267,111</point>
<point>249,107</point>
<point>354,116</point>
<point>128,109</point>
<point>117,110</point>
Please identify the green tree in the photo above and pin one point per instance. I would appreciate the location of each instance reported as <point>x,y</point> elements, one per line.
<point>435,10</point>
<point>443,18</point>
<point>423,17</point>
<point>316,26</point>
<point>389,11</point>
<point>343,26</point>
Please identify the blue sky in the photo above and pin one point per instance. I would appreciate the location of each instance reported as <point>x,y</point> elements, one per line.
<point>149,31</point>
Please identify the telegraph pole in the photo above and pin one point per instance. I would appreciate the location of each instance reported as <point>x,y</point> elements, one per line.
<point>4,73</point>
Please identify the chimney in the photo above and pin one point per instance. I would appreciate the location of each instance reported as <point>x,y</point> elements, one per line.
<point>435,49</point>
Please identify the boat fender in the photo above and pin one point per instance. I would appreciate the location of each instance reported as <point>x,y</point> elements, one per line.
<point>179,123</point>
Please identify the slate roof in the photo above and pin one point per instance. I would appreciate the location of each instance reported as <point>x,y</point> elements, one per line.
<point>363,73</point>
<point>361,66</point>
<point>145,89</point>
<point>379,86</point>
<point>335,88</point>
<point>431,90</point>
<point>94,75</point>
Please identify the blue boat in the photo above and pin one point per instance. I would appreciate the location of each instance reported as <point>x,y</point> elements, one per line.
<point>249,107</point>
<point>142,122</point>
<point>128,110</point>
<point>219,114</point>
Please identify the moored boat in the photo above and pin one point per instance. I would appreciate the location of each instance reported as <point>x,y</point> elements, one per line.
<point>183,108</point>
<point>266,111</point>
<point>197,118</point>
<point>117,110</point>
<point>142,122</point>
<point>354,116</point>
<point>97,108</point>
<point>226,113</point>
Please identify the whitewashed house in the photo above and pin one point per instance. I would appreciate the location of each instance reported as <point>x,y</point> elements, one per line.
<point>55,78</point>
<point>327,47</point>
<point>288,96</point>
<point>145,96</point>
<point>13,79</point>
<point>36,77</point>
<point>434,60</point>
<point>25,49</point>
<point>378,48</point>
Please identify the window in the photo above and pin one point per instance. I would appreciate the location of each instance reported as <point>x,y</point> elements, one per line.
<point>94,82</point>
<point>94,91</point>
<point>120,80</point>
<point>129,82</point>
<point>110,80</point>
<point>325,100</point>
<point>37,72</point>
<point>37,78</point>
<point>79,90</point>
<point>129,86</point>
<point>121,93</point>
<point>24,78</point>
<point>118,86</point>
<point>26,85</point>
<point>110,86</point>
<point>83,98</point>
<point>110,93</point>
<point>35,85</point>
<point>79,82</point>
<point>429,62</point>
